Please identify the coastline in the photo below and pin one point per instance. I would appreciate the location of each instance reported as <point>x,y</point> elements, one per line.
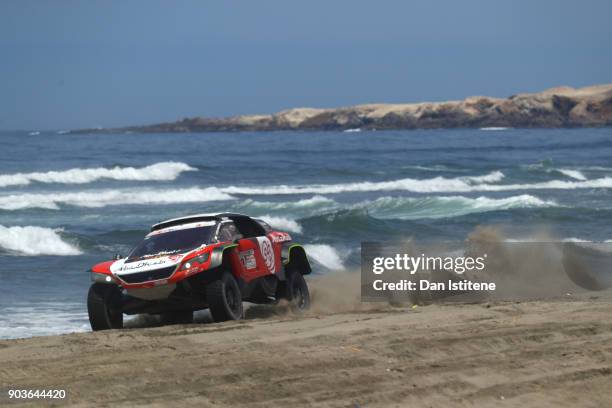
<point>553,108</point>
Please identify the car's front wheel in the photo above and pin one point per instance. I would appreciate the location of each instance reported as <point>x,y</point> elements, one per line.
<point>224,298</point>
<point>104,307</point>
<point>297,292</point>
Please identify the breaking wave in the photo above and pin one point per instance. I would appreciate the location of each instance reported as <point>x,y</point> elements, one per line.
<point>298,208</point>
<point>597,168</point>
<point>435,168</point>
<point>388,207</point>
<point>282,223</point>
<point>282,213</point>
<point>492,177</point>
<point>325,255</point>
<point>603,182</point>
<point>103,198</point>
<point>306,203</point>
<point>436,184</point>
<point>575,174</point>
<point>163,171</point>
<point>431,185</point>
<point>409,208</point>
<point>35,241</point>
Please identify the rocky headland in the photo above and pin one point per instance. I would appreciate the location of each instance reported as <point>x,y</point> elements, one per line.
<point>553,108</point>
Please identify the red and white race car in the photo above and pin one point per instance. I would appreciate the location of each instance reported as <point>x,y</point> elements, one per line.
<point>213,261</point>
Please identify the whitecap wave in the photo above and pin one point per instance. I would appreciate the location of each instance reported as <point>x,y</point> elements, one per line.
<point>492,177</point>
<point>410,208</point>
<point>325,255</point>
<point>576,240</point>
<point>575,174</point>
<point>282,223</point>
<point>31,240</point>
<point>390,207</point>
<point>164,171</point>
<point>435,168</point>
<point>432,185</point>
<point>597,168</point>
<point>103,198</point>
<point>314,201</point>
<point>603,182</point>
<point>493,128</point>
<point>436,184</point>
<point>296,209</point>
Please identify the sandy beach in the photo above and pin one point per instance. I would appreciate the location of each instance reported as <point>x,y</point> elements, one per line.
<point>537,353</point>
<point>306,204</point>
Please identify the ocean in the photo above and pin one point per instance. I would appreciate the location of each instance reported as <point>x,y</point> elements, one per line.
<point>69,201</point>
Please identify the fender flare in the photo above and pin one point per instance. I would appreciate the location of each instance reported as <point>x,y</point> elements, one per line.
<point>216,257</point>
<point>294,257</point>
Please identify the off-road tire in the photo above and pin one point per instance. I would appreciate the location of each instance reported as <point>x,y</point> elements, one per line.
<point>104,307</point>
<point>224,298</point>
<point>297,293</point>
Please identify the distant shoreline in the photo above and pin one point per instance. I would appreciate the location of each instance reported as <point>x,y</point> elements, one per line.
<point>561,107</point>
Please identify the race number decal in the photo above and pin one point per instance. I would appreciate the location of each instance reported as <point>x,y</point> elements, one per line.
<point>267,252</point>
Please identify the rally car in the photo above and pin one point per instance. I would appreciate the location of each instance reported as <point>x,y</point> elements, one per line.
<point>213,261</point>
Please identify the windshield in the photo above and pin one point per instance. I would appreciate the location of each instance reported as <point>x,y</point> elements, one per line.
<point>173,242</point>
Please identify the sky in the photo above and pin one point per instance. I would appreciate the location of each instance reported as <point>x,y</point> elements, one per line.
<point>75,64</point>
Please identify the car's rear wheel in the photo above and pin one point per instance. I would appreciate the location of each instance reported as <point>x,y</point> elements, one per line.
<point>224,298</point>
<point>181,317</point>
<point>297,292</point>
<point>104,307</point>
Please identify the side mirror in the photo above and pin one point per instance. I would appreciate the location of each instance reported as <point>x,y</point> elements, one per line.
<point>117,257</point>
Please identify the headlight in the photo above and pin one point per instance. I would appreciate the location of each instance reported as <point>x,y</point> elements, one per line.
<point>202,258</point>
<point>197,261</point>
<point>101,277</point>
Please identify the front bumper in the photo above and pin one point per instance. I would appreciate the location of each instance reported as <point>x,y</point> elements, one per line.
<point>148,276</point>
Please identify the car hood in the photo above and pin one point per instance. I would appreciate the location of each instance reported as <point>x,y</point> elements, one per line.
<point>122,267</point>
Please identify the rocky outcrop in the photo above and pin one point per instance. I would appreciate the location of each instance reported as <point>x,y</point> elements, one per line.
<point>556,107</point>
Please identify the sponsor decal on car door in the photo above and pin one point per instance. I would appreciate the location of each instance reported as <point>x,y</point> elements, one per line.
<point>248,259</point>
